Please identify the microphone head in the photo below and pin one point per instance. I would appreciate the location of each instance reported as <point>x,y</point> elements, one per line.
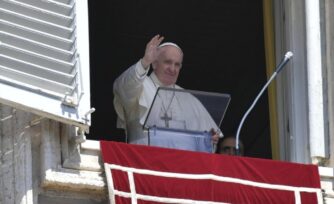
<point>288,55</point>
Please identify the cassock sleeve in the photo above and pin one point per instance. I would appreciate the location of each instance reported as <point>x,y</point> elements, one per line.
<point>127,88</point>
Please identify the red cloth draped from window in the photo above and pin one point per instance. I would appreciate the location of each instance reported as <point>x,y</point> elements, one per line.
<point>252,179</point>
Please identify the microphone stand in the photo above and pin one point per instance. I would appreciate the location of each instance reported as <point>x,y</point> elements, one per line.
<point>287,57</point>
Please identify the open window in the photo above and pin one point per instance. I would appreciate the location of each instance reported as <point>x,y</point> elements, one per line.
<point>44,58</point>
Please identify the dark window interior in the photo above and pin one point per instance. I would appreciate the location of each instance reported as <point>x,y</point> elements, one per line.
<point>223,45</point>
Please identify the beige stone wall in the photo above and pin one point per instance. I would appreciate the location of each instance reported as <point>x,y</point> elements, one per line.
<point>16,182</point>
<point>40,162</point>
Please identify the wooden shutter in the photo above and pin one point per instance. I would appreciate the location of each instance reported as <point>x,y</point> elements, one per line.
<point>44,58</point>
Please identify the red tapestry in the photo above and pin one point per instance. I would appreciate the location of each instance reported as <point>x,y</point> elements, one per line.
<point>143,174</point>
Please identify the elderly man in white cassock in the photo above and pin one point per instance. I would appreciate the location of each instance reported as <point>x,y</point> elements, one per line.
<point>134,92</point>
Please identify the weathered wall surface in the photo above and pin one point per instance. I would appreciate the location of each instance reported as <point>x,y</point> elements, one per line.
<point>40,162</point>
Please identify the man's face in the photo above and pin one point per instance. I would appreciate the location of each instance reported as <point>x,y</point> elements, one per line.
<point>228,146</point>
<point>168,64</point>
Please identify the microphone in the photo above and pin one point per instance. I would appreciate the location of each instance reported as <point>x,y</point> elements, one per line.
<point>285,60</point>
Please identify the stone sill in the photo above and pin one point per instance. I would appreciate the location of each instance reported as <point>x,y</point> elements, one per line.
<point>75,180</point>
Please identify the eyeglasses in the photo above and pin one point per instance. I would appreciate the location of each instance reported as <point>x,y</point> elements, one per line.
<point>229,148</point>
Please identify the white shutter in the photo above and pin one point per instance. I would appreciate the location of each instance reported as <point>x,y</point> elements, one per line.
<point>44,58</point>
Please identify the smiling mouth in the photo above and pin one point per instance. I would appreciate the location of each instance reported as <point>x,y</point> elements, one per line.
<point>170,74</point>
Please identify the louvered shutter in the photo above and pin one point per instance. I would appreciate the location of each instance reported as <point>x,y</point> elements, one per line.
<point>44,58</point>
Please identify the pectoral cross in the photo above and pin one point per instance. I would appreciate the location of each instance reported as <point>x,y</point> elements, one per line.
<point>166,118</point>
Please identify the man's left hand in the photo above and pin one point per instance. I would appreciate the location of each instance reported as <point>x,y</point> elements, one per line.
<point>215,136</point>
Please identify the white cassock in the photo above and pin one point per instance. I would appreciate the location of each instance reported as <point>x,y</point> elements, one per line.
<point>134,92</point>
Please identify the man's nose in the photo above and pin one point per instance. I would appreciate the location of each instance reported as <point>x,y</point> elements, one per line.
<point>172,68</point>
<point>231,152</point>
